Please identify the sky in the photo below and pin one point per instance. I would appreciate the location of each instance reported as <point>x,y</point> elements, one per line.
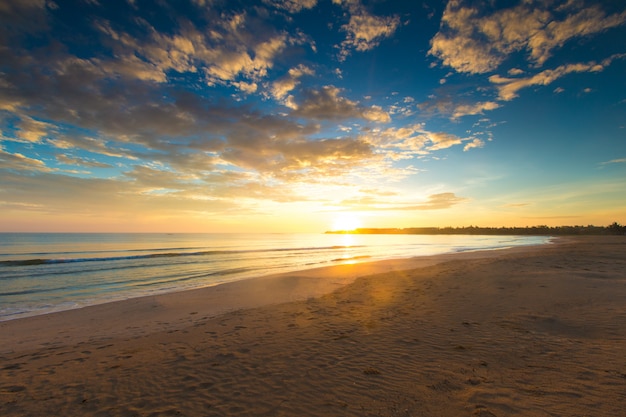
<point>310,115</point>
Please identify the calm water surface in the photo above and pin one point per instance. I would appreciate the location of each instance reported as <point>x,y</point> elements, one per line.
<point>41,273</point>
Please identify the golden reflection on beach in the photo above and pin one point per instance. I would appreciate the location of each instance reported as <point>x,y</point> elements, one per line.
<point>524,331</point>
<point>347,242</point>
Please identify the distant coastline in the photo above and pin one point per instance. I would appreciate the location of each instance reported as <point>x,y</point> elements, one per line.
<point>613,229</point>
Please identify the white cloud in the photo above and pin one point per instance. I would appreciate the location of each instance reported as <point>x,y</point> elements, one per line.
<point>614,161</point>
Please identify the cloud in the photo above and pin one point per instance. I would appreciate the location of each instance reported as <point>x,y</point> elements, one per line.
<point>69,160</point>
<point>415,141</point>
<point>31,130</point>
<point>25,16</point>
<point>292,6</point>
<point>515,205</point>
<point>116,198</point>
<point>236,46</point>
<point>149,179</point>
<point>508,87</point>
<point>327,104</point>
<point>19,162</point>
<point>475,143</point>
<point>365,31</point>
<point>438,201</point>
<point>472,40</point>
<point>226,64</point>
<point>160,102</point>
<point>92,145</point>
<point>459,100</point>
<point>375,114</point>
<point>442,140</point>
<point>297,159</point>
<point>284,85</point>
<point>245,87</point>
<point>462,110</point>
<point>614,161</point>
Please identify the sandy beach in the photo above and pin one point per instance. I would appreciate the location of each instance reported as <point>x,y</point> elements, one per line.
<point>536,331</point>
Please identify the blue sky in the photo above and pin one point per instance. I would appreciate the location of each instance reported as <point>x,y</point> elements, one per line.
<point>308,115</point>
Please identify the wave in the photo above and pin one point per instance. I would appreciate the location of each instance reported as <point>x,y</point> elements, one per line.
<point>352,258</point>
<point>50,261</point>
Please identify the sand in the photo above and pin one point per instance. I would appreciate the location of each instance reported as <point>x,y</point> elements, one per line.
<point>538,331</point>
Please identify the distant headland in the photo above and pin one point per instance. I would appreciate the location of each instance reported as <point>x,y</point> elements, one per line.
<point>613,229</point>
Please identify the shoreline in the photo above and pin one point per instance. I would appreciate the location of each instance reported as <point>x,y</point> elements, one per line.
<point>162,311</point>
<point>526,331</point>
<point>213,269</point>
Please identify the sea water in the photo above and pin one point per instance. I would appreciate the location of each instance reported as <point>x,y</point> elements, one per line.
<point>46,272</point>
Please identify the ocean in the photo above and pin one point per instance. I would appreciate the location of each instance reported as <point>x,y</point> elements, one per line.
<point>46,272</point>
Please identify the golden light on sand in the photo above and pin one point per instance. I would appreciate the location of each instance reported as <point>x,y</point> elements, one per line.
<point>346,221</point>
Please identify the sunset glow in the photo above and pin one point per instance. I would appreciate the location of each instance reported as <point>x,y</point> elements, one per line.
<point>283,116</point>
<point>346,222</point>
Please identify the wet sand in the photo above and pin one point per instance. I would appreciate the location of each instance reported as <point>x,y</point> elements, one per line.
<point>537,331</point>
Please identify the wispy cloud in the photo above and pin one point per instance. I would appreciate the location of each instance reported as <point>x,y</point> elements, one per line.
<point>462,110</point>
<point>19,162</point>
<point>69,160</point>
<point>614,161</point>
<point>515,205</point>
<point>292,6</point>
<point>438,201</point>
<point>509,87</point>
<point>207,108</point>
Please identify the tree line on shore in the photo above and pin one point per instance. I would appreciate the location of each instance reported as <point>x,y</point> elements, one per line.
<point>612,229</point>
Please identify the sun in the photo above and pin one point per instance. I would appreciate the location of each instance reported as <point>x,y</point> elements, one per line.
<point>346,222</point>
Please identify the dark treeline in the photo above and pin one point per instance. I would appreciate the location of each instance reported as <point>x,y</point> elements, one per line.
<point>613,229</point>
